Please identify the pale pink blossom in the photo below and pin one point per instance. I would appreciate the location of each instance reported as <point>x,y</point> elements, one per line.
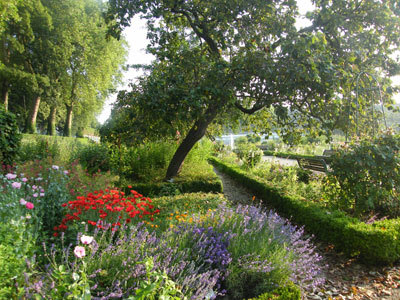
<point>24,179</point>
<point>86,240</point>
<point>66,172</point>
<point>11,176</point>
<point>22,201</point>
<point>79,251</point>
<point>16,185</point>
<point>41,194</point>
<point>55,167</point>
<point>35,195</point>
<point>34,187</point>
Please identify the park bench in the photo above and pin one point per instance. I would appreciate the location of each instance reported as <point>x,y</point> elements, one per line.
<point>328,152</point>
<point>313,163</point>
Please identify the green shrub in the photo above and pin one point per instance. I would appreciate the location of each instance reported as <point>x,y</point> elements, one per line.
<point>365,176</point>
<point>16,245</point>
<point>145,163</point>
<point>240,140</point>
<point>9,137</point>
<point>249,154</point>
<point>59,149</point>
<point>303,175</point>
<point>287,292</point>
<point>94,157</point>
<point>378,243</point>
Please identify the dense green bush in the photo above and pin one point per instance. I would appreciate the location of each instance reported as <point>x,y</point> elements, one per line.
<point>365,176</point>
<point>377,243</point>
<point>94,157</point>
<point>15,248</point>
<point>60,149</point>
<point>249,154</point>
<point>288,292</point>
<point>9,137</point>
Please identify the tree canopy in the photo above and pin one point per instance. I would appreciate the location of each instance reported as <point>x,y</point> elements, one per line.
<point>217,59</point>
<point>56,60</point>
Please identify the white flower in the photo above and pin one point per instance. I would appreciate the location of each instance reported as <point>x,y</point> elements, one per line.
<point>86,240</point>
<point>22,201</point>
<point>55,167</point>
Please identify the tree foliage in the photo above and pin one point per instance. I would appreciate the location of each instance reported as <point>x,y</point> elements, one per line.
<point>215,59</point>
<point>56,60</point>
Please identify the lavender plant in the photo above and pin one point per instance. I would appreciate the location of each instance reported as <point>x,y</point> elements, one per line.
<point>266,251</point>
<point>116,266</point>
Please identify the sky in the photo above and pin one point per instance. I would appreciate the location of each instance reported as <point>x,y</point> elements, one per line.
<point>136,37</point>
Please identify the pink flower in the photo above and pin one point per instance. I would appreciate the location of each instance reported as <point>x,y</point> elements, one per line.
<point>86,240</point>
<point>35,195</point>
<point>79,251</point>
<point>29,205</point>
<point>66,172</point>
<point>11,176</point>
<point>55,167</point>
<point>34,187</point>
<point>24,179</point>
<point>41,194</point>
<point>16,185</point>
<point>22,201</point>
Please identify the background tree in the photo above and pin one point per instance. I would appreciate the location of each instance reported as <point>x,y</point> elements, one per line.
<point>214,58</point>
<point>55,59</point>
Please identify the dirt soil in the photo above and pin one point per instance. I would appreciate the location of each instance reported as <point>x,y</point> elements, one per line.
<point>345,278</point>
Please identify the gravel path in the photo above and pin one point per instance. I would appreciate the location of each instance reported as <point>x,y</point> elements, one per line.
<point>346,279</point>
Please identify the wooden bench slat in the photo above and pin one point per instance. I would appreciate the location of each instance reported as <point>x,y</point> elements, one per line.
<point>316,164</point>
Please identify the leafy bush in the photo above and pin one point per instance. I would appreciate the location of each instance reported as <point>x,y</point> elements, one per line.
<point>16,245</point>
<point>303,175</point>
<point>94,158</point>
<point>365,176</point>
<point>40,147</point>
<point>249,154</point>
<point>287,292</point>
<point>9,137</point>
<point>271,145</point>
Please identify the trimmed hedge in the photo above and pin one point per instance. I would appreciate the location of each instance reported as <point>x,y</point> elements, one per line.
<point>205,181</point>
<point>294,155</point>
<point>378,243</point>
<point>208,185</point>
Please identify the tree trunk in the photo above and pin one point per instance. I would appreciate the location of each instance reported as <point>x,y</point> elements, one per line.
<point>68,121</point>
<point>31,126</point>
<point>4,94</point>
<point>51,122</point>
<point>197,131</point>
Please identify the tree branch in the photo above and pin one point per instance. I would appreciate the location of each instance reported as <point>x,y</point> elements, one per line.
<point>256,107</point>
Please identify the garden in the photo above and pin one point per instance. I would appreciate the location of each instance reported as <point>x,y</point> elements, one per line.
<point>134,209</point>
